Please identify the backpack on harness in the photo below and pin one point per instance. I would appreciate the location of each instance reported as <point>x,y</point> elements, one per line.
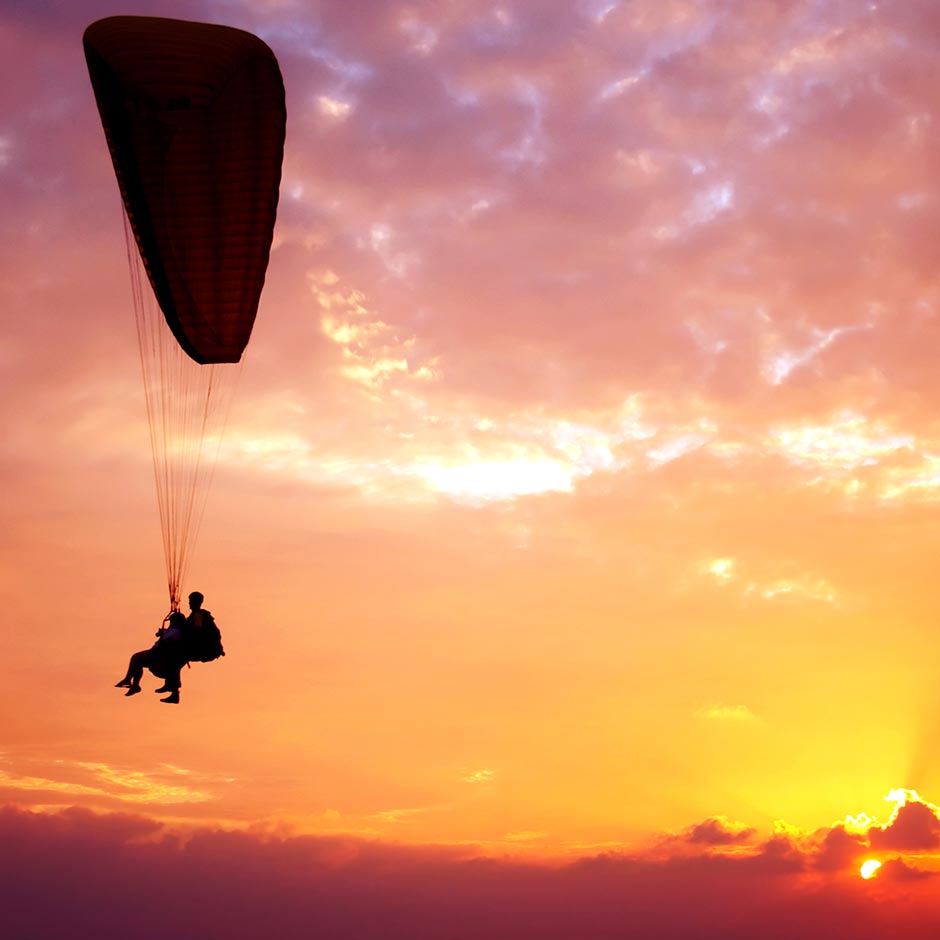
<point>205,642</point>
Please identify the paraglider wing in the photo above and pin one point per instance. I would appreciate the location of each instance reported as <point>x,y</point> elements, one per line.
<point>195,119</point>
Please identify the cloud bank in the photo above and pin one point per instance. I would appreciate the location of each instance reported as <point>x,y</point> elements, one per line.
<point>81,874</point>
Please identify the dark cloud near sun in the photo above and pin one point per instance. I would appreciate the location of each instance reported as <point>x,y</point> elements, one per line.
<point>896,869</point>
<point>913,829</point>
<point>837,850</point>
<point>914,826</point>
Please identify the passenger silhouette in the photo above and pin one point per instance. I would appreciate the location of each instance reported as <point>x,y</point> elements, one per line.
<point>197,616</point>
<point>164,659</point>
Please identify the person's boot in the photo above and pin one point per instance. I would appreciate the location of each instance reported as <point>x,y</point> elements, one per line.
<point>164,688</point>
<point>173,698</point>
<point>123,684</point>
<point>133,690</point>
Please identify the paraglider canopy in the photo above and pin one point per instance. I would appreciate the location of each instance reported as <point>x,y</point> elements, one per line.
<point>195,119</point>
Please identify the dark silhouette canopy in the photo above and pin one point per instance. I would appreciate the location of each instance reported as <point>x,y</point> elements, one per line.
<point>195,119</point>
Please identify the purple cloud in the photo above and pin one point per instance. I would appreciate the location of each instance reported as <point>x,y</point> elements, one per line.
<point>85,875</point>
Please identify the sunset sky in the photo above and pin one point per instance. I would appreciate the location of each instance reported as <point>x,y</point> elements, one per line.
<point>574,536</point>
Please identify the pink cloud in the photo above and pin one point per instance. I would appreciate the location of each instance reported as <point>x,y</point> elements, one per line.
<point>664,239</point>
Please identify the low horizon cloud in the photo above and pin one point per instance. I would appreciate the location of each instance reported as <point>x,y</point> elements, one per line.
<point>110,875</point>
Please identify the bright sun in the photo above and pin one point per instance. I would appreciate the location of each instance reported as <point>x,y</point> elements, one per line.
<point>869,868</point>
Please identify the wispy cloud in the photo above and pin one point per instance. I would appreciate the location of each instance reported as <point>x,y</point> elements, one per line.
<point>403,814</point>
<point>733,713</point>
<point>97,780</point>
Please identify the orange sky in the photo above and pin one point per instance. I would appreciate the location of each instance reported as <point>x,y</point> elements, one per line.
<point>582,481</point>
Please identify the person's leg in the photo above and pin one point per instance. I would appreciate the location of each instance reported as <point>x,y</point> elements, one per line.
<point>135,669</point>
<point>170,673</point>
<point>126,681</point>
<point>172,685</point>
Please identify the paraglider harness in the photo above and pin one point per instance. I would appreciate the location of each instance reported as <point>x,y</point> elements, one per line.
<point>201,644</point>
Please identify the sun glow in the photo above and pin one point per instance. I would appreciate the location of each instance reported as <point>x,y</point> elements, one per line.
<point>869,868</point>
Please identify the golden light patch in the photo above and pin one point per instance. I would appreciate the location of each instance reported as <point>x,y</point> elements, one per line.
<point>859,824</point>
<point>499,479</point>
<point>333,107</point>
<point>847,442</point>
<point>869,868</point>
<point>722,569</point>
